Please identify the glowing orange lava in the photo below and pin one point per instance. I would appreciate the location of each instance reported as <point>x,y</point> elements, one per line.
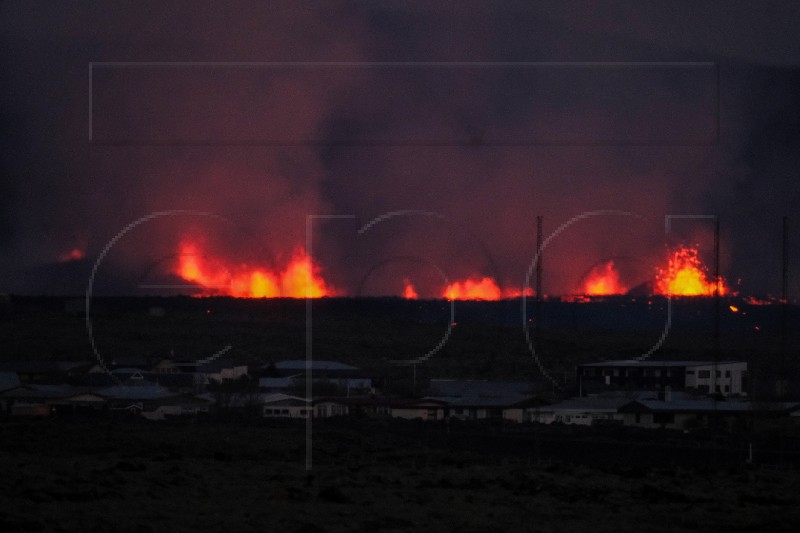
<point>686,276</point>
<point>409,292</point>
<point>733,308</point>
<point>483,289</point>
<point>300,278</point>
<point>603,280</point>
<point>517,293</point>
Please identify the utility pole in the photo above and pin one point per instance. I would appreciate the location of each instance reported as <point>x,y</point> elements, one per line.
<point>781,388</point>
<point>537,314</point>
<point>717,296</point>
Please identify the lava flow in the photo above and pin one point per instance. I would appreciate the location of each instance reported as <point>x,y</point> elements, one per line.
<point>300,278</point>
<point>603,280</point>
<point>685,275</point>
<point>481,289</point>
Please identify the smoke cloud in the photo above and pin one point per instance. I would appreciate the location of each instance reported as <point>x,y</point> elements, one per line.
<point>466,121</point>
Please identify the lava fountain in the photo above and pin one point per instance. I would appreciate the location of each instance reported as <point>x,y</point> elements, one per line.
<point>603,280</point>
<point>299,279</point>
<point>686,275</point>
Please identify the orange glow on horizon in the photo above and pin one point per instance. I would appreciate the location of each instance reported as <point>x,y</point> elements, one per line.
<point>603,280</point>
<point>299,279</point>
<point>483,289</point>
<point>409,292</point>
<point>685,275</point>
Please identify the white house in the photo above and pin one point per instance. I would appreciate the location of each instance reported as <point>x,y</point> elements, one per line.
<point>279,405</point>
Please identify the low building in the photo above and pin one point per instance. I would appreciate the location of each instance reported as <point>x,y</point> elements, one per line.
<point>423,409</point>
<point>329,377</point>
<point>579,411</point>
<point>481,399</point>
<point>727,378</point>
<point>279,405</point>
<point>695,413</point>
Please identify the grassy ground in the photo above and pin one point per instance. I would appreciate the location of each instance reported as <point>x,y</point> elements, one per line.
<point>214,476</point>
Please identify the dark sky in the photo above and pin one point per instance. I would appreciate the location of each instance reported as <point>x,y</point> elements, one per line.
<point>485,115</point>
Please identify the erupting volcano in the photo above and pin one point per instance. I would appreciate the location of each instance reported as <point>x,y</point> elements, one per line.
<point>603,280</point>
<point>299,279</point>
<point>685,275</point>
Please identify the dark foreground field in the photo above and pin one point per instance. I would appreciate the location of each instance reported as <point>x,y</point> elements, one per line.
<point>380,476</point>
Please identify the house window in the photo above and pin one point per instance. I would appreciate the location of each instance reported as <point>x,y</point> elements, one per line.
<point>431,413</point>
<point>657,372</point>
<point>669,373</point>
<point>727,373</point>
<point>719,374</point>
<point>726,388</point>
<point>616,372</point>
<point>704,374</point>
<point>690,372</point>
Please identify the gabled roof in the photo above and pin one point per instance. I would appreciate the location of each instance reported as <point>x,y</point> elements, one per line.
<point>356,401</point>
<point>278,398</point>
<point>480,393</point>
<point>589,404</point>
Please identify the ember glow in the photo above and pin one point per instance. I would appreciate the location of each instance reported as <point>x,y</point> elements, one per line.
<point>685,275</point>
<point>76,254</point>
<point>299,279</point>
<point>484,289</point>
<point>603,280</point>
<point>409,292</point>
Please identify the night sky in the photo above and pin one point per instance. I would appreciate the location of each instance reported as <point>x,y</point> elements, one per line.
<point>440,129</point>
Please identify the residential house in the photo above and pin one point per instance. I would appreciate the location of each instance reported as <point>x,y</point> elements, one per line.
<point>694,413</point>
<point>279,405</point>
<point>481,399</point>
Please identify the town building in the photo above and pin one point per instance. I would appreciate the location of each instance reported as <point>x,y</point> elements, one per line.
<point>726,378</point>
